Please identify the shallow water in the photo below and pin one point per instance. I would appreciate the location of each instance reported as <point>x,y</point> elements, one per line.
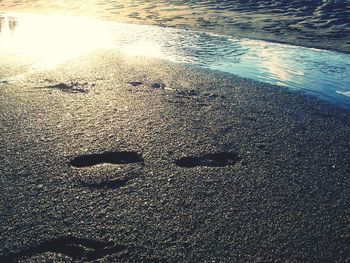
<point>44,41</point>
<point>316,23</point>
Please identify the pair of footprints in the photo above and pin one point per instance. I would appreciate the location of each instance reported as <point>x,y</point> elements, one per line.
<point>220,159</point>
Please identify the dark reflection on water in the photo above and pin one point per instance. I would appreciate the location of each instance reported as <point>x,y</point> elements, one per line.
<point>54,39</point>
<point>1,22</point>
<point>9,22</point>
<point>12,23</point>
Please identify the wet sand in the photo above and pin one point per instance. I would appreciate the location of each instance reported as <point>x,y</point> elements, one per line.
<point>320,24</point>
<point>117,159</point>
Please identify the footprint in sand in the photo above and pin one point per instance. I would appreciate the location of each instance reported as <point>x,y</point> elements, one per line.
<point>135,83</point>
<point>106,157</point>
<point>154,85</point>
<point>157,85</point>
<point>73,247</point>
<point>68,88</point>
<point>220,159</point>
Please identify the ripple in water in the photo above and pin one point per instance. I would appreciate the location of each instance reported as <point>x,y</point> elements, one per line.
<point>44,41</point>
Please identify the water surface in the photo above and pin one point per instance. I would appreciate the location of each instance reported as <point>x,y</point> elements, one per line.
<point>44,41</point>
<point>316,23</point>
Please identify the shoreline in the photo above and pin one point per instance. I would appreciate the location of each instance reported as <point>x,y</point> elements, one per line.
<point>277,64</point>
<point>211,21</point>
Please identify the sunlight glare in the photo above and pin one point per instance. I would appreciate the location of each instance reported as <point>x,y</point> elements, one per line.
<point>57,40</point>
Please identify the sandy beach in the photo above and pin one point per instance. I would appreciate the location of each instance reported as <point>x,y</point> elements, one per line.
<point>112,159</point>
<point>123,155</point>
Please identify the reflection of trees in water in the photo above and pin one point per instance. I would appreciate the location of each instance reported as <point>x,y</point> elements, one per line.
<point>11,22</point>
<point>1,23</point>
